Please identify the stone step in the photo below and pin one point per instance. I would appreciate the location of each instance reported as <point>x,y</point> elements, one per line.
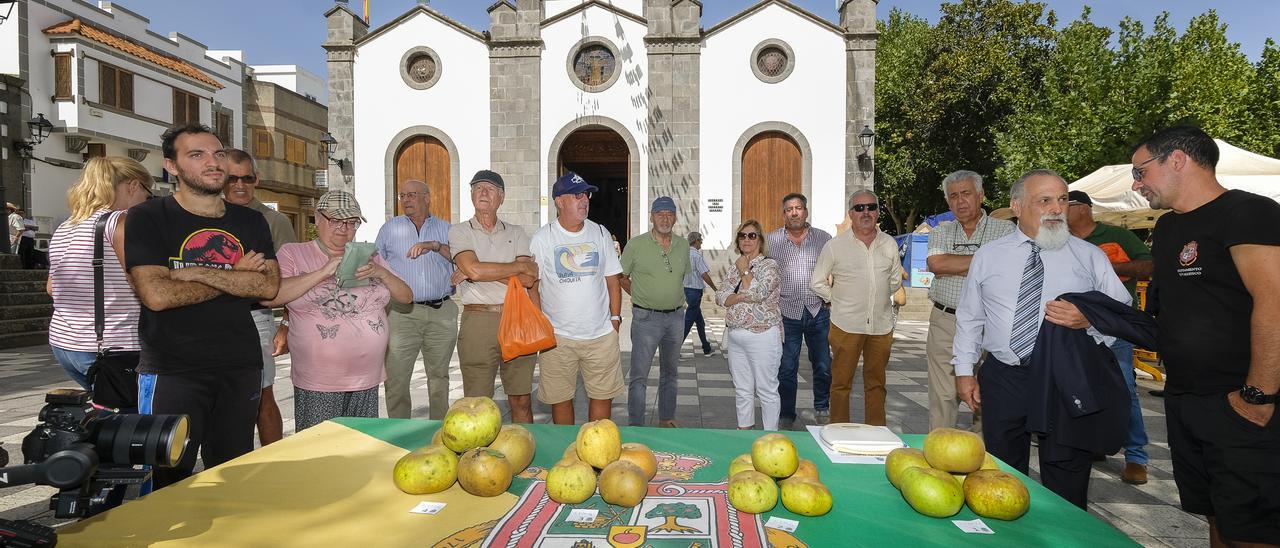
<point>24,325</point>
<point>17,299</point>
<point>18,340</point>
<point>26,311</point>
<point>21,286</point>
<point>19,275</point>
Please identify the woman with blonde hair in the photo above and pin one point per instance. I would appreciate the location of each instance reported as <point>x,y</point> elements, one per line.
<point>108,186</point>
<point>753,319</point>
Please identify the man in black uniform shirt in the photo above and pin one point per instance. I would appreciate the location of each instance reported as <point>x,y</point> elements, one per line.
<point>197,264</point>
<point>1217,293</point>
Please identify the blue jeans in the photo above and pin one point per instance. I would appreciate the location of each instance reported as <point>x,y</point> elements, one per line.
<point>76,364</point>
<point>653,332</point>
<point>813,330</point>
<point>1135,447</point>
<point>693,316</point>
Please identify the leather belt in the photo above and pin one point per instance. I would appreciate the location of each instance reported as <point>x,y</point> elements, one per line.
<point>951,311</point>
<point>434,304</point>
<point>482,308</point>
<point>655,310</point>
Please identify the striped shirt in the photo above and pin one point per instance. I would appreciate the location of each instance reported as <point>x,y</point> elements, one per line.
<point>796,262</point>
<point>71,272</point>
<point>428,275</point>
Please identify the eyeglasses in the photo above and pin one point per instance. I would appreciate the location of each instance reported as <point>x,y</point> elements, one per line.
<point>147,189</point>
<point>246,179</point>
<point>865,207</point>
<point>581,195</point>
<point>410,195</point>
<point>748,235</point>
<point>349,224</point>
<point>1139,172</point>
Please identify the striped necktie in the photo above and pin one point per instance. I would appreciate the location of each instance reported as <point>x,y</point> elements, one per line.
<point>1026,316</point>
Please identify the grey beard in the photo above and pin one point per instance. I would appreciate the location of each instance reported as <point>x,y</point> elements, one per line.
<point>1052,236</point>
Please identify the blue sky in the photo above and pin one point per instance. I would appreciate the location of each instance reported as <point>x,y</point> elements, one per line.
<point>290,31</point>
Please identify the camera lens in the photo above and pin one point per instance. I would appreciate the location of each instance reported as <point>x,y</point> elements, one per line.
<point>157,440</point>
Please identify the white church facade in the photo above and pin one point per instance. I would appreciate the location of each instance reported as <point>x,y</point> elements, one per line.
<point>634,95</point>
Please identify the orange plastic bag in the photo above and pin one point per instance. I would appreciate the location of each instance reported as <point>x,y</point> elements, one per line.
<point>523,329</point>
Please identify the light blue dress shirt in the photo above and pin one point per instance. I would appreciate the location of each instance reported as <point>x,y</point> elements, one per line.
<point>428,275</point>
<point>984,319</point>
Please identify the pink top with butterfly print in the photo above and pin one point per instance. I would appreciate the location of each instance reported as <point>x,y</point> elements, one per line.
<point>337,337</point>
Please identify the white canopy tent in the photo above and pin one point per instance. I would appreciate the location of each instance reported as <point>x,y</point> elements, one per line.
<point>1115,202</point>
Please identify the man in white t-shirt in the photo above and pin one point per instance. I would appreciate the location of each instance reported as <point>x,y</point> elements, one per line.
<point>579,291</point>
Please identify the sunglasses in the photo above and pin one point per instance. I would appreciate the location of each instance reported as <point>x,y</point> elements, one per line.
<point>146,188</point>
<point>246,179</point>
<point>1138,171</point>
<point>865,207</point>
<point>748,235</point>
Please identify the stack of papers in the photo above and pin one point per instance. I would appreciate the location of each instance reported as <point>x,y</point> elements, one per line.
<point>860,439</point>
<point>851,443</point>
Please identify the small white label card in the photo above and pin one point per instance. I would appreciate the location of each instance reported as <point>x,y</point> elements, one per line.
<point>975,526</point>
<point>429,508</point>
<point>582,515</point>
<point>782,524</point>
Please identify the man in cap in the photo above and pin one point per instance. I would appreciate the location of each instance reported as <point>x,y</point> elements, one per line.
<point>695,282</point>
<point>416,245</point>
<point>578,290</point>
<point>654,265</point>
<point>1131,259</point>
<point>488,251</point>
<point>242,182</point>
<point>14,223</point>
<point>198,263</point>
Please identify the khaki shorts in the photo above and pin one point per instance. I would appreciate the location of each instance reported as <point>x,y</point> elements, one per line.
<point>480,358</point>
<point>598,360</point>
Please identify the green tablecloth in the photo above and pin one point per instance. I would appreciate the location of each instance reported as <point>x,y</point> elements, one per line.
<point>868,511</point>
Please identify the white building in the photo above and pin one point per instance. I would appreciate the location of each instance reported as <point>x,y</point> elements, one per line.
<point>294,78</point>
<point>632,94</point>
<point>110,86</point>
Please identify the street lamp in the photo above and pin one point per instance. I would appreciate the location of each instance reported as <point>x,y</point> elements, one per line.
<point>39,128</point>
<point>868,139</point>
<point>328,144</point>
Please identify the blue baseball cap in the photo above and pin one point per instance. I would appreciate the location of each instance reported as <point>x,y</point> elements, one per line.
<point>663,203</point>
<point>571,183</point>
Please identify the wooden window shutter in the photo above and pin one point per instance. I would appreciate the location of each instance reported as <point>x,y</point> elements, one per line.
<point>62,76</point>
<point>126,91</point>
<point>261,143</point>
<point>107,79</point>
<point>193,108</point>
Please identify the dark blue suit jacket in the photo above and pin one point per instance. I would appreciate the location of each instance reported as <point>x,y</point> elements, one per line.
<point>1077,389</point>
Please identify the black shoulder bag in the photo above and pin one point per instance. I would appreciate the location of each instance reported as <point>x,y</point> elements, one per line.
<point>114,374</point>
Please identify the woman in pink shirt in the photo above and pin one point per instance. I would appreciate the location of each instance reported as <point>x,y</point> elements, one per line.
<point>339,335</point>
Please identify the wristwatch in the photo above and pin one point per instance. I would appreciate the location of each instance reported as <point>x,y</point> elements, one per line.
<point>284,322</point>
<point>1254,395</point>
<point>615,318</point>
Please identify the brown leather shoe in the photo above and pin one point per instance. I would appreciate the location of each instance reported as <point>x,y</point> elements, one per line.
<point>669,424</point>
<point>1134,473</point>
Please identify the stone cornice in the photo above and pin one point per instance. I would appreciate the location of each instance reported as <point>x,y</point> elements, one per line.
<point>520,47</point>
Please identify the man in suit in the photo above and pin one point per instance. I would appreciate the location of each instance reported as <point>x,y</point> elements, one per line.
<point>1012,285</point>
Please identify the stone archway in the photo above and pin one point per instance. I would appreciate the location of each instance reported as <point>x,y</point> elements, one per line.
<point>429,138</point>
<point>636,222</point>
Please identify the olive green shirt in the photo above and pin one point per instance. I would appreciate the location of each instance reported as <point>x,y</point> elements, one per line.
<point>657,275</point>
<point>279,223</point>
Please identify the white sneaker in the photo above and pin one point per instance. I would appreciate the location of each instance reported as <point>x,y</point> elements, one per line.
<point>713,352</point>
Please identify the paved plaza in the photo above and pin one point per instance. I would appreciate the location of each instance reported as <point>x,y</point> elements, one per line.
<point>1148,514</point>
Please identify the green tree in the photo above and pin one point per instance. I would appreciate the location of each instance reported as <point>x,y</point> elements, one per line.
<point>904,118</point>
<point>1264,104</point>
<point>672,511</point>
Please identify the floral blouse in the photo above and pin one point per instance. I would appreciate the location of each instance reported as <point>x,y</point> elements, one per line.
<point>759,311</point>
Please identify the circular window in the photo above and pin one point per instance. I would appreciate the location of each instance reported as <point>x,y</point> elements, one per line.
<point>593,64</point>
<point>772,61</point>
<point>420,67</point>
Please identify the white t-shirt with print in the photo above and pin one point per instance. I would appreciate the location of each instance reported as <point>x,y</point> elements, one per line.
<point>572,267</point>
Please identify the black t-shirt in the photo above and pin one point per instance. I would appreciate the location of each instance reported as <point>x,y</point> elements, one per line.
<point>1204,308</point>
<point>215,334</point>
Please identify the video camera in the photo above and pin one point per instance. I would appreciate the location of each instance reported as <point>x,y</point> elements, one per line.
<point>90,454</point>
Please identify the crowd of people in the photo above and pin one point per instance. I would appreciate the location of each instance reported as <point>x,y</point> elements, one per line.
<point>1032,326</point>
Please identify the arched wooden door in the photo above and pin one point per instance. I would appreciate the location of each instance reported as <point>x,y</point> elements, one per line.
<point>601,157</point>
<point>770,170</point>
<point>426,159</point>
